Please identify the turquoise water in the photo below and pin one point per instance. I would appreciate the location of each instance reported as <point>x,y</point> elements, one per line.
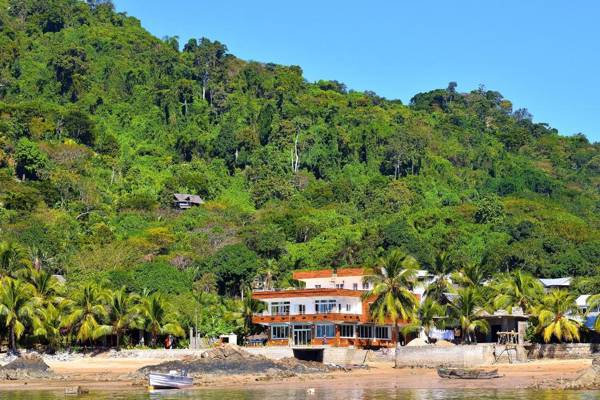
<point>320,394</point>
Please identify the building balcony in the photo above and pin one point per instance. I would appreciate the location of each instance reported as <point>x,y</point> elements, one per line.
<point>313,292</point>
<point>334,317</point>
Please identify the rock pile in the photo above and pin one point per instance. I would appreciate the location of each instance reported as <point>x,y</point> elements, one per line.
<point>590,379</point>
<point>27,365</point>
<point>230,359</point>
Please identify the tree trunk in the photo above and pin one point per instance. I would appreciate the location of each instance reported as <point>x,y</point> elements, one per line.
<point>118,341</point>
<point>397,329</point>
<point>13,339</point>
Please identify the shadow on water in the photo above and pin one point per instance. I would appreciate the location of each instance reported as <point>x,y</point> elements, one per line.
<point>319,394</point>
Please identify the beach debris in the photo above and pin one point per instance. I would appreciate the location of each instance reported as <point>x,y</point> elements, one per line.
<point>467,373</point>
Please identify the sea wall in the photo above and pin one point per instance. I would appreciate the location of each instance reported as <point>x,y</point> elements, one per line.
<point>455,356</point>
<point>565,351</point>
<point>331,355</point>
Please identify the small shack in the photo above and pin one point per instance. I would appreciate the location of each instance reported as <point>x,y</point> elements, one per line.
<point>231,338</point>
<point>184,201</point>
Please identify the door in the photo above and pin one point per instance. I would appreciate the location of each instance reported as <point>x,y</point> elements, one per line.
<point>302,335</point>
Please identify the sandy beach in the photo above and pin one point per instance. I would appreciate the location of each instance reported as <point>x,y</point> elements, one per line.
<point>106,373</point>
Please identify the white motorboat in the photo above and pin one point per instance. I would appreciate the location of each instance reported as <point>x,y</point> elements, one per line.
<point>172,380</point>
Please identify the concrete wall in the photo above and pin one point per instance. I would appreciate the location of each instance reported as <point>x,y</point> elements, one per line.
<point>563,351</point>
<point>455,356</point>
<point>331,355</point>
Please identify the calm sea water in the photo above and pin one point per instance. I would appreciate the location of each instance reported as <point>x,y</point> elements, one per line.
<point>320,394</point>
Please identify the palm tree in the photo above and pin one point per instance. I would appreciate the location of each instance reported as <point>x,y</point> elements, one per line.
<point>391,297</point>
<point>466,309</point>
<point>593,304</point>
<point>87,313</point>
<point>430,315</point>
<point>47,324</point>
<point>471,274</point>
<point>122,312</point>
<point>156,318</point>
<point>46,287</point>
<point>12,258</point>
<point>517,289</point>
<point>243,312</point>
<point>556,316</point>
<point>17,306</point>
<point>440,285</point>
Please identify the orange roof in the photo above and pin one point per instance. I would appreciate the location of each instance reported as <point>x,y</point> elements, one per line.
<point>327,273</point>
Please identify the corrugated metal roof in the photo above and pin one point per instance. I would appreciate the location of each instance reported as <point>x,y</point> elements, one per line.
<point>556,282</point>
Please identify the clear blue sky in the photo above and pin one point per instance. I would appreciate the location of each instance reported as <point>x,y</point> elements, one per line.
<point>541,54</point>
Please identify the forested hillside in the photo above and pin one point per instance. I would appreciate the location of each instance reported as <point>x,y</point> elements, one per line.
<point>101,123</point>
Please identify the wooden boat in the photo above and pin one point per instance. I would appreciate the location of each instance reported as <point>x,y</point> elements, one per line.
<point>172,380</point>
<point>465,373</point>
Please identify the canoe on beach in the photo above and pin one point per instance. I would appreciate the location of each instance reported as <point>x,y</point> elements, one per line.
<point>464,373</point>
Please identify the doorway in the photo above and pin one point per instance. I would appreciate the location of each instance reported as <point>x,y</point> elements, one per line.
<point>302,335</point>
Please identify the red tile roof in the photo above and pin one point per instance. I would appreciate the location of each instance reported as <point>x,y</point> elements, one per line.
<point>328,273</point>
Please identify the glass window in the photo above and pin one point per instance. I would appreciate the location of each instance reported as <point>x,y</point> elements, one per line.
<point>280,331</point>
<point>382,332</point>
<point>348,308</point>
<point>301,309</point>
<point>347,331</point>
<point>355,286</point>
<point>324,306</point>
<point>365,331</point>
<point>280,308</point>
<point>317,286</point>
<point>325,331</point>
<point>365,285</point>
<point>339,285</point>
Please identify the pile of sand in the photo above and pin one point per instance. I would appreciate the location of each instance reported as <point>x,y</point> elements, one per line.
<point>417,342</point>
<point>444,343</point>
<point>230,359</point>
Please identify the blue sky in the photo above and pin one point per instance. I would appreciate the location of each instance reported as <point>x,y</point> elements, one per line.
<point>541,54</point>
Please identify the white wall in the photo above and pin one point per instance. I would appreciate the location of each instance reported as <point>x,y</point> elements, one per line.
<point>331,282</point>
<point>309,303</point>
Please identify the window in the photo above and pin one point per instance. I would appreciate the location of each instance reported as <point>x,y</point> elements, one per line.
<point>317,286</point>
<point>325,331</point>
<point>365,285</point>
<point>339,307</point>
<point>365,331</point>
<point>355,286</point>
<point>347,331</point>
<point>301,309</point>
<point>382,332</point>
<point>339,285</point>
<point>348,308</point>
<point>280,331</point>
<point>324,306</point>
<point>280,308</point>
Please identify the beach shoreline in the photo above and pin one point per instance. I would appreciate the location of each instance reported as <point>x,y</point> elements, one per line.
<point>119,374</point>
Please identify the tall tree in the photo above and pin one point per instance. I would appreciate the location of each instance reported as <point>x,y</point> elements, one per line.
<point>122,312</point>
<point>390,296</point>
<point>17,308</point>
<point>88,311</point>
<point>517,289</point>
<point>466,308</point>
<point>556,316</point>
<point>157,318</point>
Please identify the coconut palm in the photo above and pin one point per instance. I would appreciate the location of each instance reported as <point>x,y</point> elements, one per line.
<point>17,306</point>
<point>242,312</point>
<point>87,313</point>
<point>47,324</point>
<point>430,315</point>
<point>157,319</point>
<point>12,259</point>
<point>122,312</point>
<point>440,284</point>
<point>471,274</point>
<point>466,309</point>
<point>517,289</point>
<point>556,316</point>
<point>46,287</point>
<point>391,297</point>
<point>593,304</point>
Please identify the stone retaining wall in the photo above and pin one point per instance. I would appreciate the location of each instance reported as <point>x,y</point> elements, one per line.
<point>564,351</point>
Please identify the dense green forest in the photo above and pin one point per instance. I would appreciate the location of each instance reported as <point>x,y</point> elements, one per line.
<point>101,123</point>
